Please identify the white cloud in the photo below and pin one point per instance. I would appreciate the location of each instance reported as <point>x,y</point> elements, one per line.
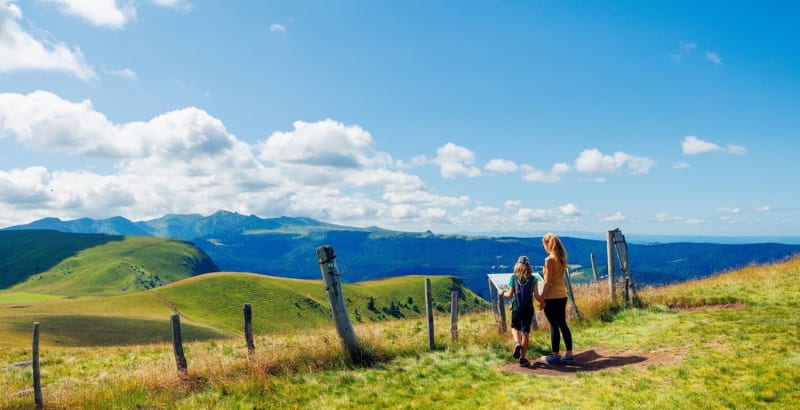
<point>764,208</point>
<point>728,210</point>
<point>713,57</point>
<point>180,5</point>
<point>20,50</point>
<point>501,166</point>
<point>126,73</point>
<point>667,218</point>
<point>681,165</point>
<point>101,13</point>
<point>277,28</point>
<point>564,213</point>
<point>616,217</point>
<point>554,175</point>
<point>511,203</point>
<point>186,161</point>
<point>593,161</point>
<point>455,161</point>
<point>692,145</point>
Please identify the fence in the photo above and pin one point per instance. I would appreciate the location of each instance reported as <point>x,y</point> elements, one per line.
<point>327,263</point>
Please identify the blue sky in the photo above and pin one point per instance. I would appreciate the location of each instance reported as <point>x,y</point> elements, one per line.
<point>664,118</point>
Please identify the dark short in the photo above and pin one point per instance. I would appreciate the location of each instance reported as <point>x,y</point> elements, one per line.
<point>521,319</point>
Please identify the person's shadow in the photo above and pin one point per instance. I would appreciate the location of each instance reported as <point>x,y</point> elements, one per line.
<point>588,361</point>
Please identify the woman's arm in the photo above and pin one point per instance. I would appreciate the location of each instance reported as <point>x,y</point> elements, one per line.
<point>549,268</point>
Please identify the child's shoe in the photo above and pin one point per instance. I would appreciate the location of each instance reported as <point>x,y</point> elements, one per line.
<point>517,350</point>
<point>552,359</point>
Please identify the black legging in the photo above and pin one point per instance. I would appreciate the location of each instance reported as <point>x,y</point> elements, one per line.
<point>556,312</point>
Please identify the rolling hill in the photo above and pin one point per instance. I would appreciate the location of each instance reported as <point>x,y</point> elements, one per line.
<point>72,264</point>
<point>286,247</point>
<point>211,307</point>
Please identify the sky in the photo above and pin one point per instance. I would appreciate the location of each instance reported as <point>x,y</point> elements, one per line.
<point>467,117</point>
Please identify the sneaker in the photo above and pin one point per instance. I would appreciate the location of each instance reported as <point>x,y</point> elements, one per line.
<point>568,359</point>
<point>523,362</point>
<point>552,359</point>
<point>517,350</point>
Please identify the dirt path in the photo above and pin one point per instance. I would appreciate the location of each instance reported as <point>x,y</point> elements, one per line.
<point>598,360</point>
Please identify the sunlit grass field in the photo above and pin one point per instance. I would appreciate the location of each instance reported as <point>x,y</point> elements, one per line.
<point>729,341</point>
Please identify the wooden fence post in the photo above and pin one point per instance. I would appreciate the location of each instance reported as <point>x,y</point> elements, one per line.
<point>493,300</point>
<point>594,266</point>
<point>37,381</point>
<point>610,251</point>
<point>501,307</point>
<point>248,332</point>
<point>454,315</point>
<point>330,274</point>
<point>429,310</point>
<point>177,346</point>
<point>571,295</point>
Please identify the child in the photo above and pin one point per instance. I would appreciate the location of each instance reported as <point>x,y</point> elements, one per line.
<point>524,290</point>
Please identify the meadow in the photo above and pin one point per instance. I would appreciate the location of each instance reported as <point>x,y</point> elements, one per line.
<point>728,341</point>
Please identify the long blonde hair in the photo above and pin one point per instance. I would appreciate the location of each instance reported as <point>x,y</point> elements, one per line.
<point>523,269</point>
<point>554,247</point>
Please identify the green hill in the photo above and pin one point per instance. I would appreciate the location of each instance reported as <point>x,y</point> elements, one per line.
<point>70,264</point>
<point>211,306</point>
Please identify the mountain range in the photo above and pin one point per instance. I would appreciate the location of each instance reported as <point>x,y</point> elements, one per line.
<point>286,246</point>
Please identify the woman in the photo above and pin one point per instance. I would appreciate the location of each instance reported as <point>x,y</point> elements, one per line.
<point>554,299</point>
<point>523,287</point>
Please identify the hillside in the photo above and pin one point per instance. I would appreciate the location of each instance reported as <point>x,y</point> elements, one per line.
<point>211,307</point>
<point>71,264</point>
<point>728,341</point>
<point>286,247</point>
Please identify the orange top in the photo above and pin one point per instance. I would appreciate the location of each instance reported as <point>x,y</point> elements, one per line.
<point>557,289</point>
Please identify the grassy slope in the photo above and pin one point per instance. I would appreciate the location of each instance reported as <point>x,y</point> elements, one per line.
<point>740,356</point>
<point>211,307</point>
<point>25,253</point>
<point>108,267</point>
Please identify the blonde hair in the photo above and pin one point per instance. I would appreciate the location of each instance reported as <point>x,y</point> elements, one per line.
<point>554,246</point>
<point>523,270</point>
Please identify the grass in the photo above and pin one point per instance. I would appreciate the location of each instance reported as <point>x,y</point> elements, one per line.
<point>108,266</point>
<point>727,342</point>
<point>214,302</point>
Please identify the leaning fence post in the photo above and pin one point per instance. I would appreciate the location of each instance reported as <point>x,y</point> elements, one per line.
<point>570,294</point>
<point>248,331</point>
<point>429,309</point>
<point>177,346</point>
<point>501,307</point>
<point>37,381</point>
<point>454,315</point>
<point>610,251</point>
<point>330,274</point>
<point>594,266</point>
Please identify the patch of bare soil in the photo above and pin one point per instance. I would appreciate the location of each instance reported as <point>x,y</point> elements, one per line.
<point>724,306</point>
<point>598,360</point>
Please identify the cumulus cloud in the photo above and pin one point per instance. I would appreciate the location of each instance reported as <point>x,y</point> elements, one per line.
<point>454,161</point>
<point>681,165</point>
<point>728,210</point>
<point>593,161</point>
<point>567,212</point>
<point>764,208</point>
<point>113,14</point>
<point>21,50</point>
<point>101,13</point>
<point>554,175</point>
<point>501,166</point>
<point>277,28</point>
<point>692,145</point>
<point>186,161</point>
